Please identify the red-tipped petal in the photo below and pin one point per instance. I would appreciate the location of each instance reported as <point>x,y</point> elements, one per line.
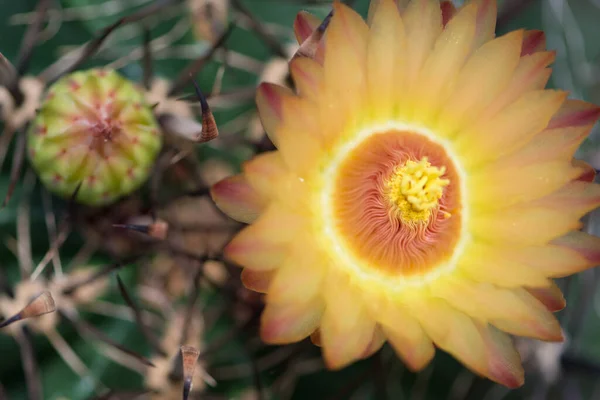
<point>257,280</point>
<point>586,245</point>
<point>448,11</point>
<point>236,198</point>
<point>533,41</point>
<point>288,323</point>
<point>269,98</point>
<point>575,113</point>
<point>588,173</point>
<point>304,25</point>
<point>307,75</point>
<point>486,21</point>
<point>551,297</point>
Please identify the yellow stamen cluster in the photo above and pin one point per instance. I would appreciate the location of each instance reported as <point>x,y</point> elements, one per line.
<point>415,188</point>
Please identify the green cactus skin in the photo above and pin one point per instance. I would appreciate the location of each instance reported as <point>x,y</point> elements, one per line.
<point>94,128</point>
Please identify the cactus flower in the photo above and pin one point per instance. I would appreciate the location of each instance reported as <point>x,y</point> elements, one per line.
<point>423,191</point>
<point>94,128</point>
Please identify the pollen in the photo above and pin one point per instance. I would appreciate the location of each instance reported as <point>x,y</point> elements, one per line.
<point>415,188</point>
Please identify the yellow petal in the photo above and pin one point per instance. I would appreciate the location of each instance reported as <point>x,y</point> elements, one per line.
<point>265,172</point>
<point>551,297</point>
<point>269,98</point>
<point>531,74</point>
<point>511,129</point>
<point>264,245</point>
<point>490,263</point>
<point>533,41</point>
<point>300,140</point>
<point>406,336</point>
<point>287,323</point>
<point>423,24</point>
<point>575,113</point>
<point>304,24</point>
<point>258,281</point>
<point>347,328</point>
<point>586,245</point>
<point>236,198</point>
<point>344,66</point>
<point>474,88</point>
<point>386,52</point>
<point>549,260</point>
<point>576,198</point>
<point>522,225</point>
<point>487,11</point>
<point>441,68</point>
<point>514,310</point>
<point>308,77</point>
<point>301,276</point>
<point>486,352</point>
<point>502,184</point>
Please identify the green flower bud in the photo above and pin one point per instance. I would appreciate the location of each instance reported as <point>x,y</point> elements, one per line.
<point>94,128</point>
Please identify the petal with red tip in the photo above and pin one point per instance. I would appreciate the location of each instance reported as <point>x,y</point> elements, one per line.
<point>587,174</point>
<point>487,12</point>
<point>407,337</point>
<point>551,297</point>
<point>236,198</point>
<point>533,41</point>
<point>586,245</point>
<point>489,353</point>
<point>269,98</point>
<point>287,323</point>
<point>304,25</point>
<point>265,172</point>
<point>263,246</point>
<point>346,329</point>
<point>344,65</point>
<point>386,51</point>
<point>308,77</point>
<point>257,280</point>
<point>575,113</point>
<point>448,11</point>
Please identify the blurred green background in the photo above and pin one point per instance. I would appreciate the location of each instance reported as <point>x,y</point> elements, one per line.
<point>572,27</point>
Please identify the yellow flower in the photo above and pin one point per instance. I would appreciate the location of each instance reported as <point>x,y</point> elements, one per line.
<point>423,191</point>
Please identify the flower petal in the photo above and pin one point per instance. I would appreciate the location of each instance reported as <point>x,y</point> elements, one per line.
<point>269,98</point>
<point>386,51</point>
<point>287,323</point>
<point>304,25</point>
<point>586,245</point>
<point>265,173</point>
<point>423,23</point>
<point>406,335</point>
<point>515,310</point>
<point>448,11</point>
<point>236,198</point>
<point>511,129</point>
<point>487,352</point>
<point>474,88</point>
<point>551,297</point>
<point>522,225</point>
<point>263,246</point>
<point>531,74</point>
<point>575,113</point>
<point>257,280</point>
<point>300,278</point>
<point>440,71</point>
<point>308,76</point>
<point>588,173</point>
<point>533,41</point>
<point>344,66</point>
<point>491,263</point>
<point>487,11</point>
<point>576,198</point>
<point>501,184</point>
<point>347,328</point>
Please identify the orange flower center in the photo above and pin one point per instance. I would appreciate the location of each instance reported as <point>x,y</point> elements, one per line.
<point>396,203</point>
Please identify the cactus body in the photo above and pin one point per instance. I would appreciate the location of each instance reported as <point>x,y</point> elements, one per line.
<point>94,128</point>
